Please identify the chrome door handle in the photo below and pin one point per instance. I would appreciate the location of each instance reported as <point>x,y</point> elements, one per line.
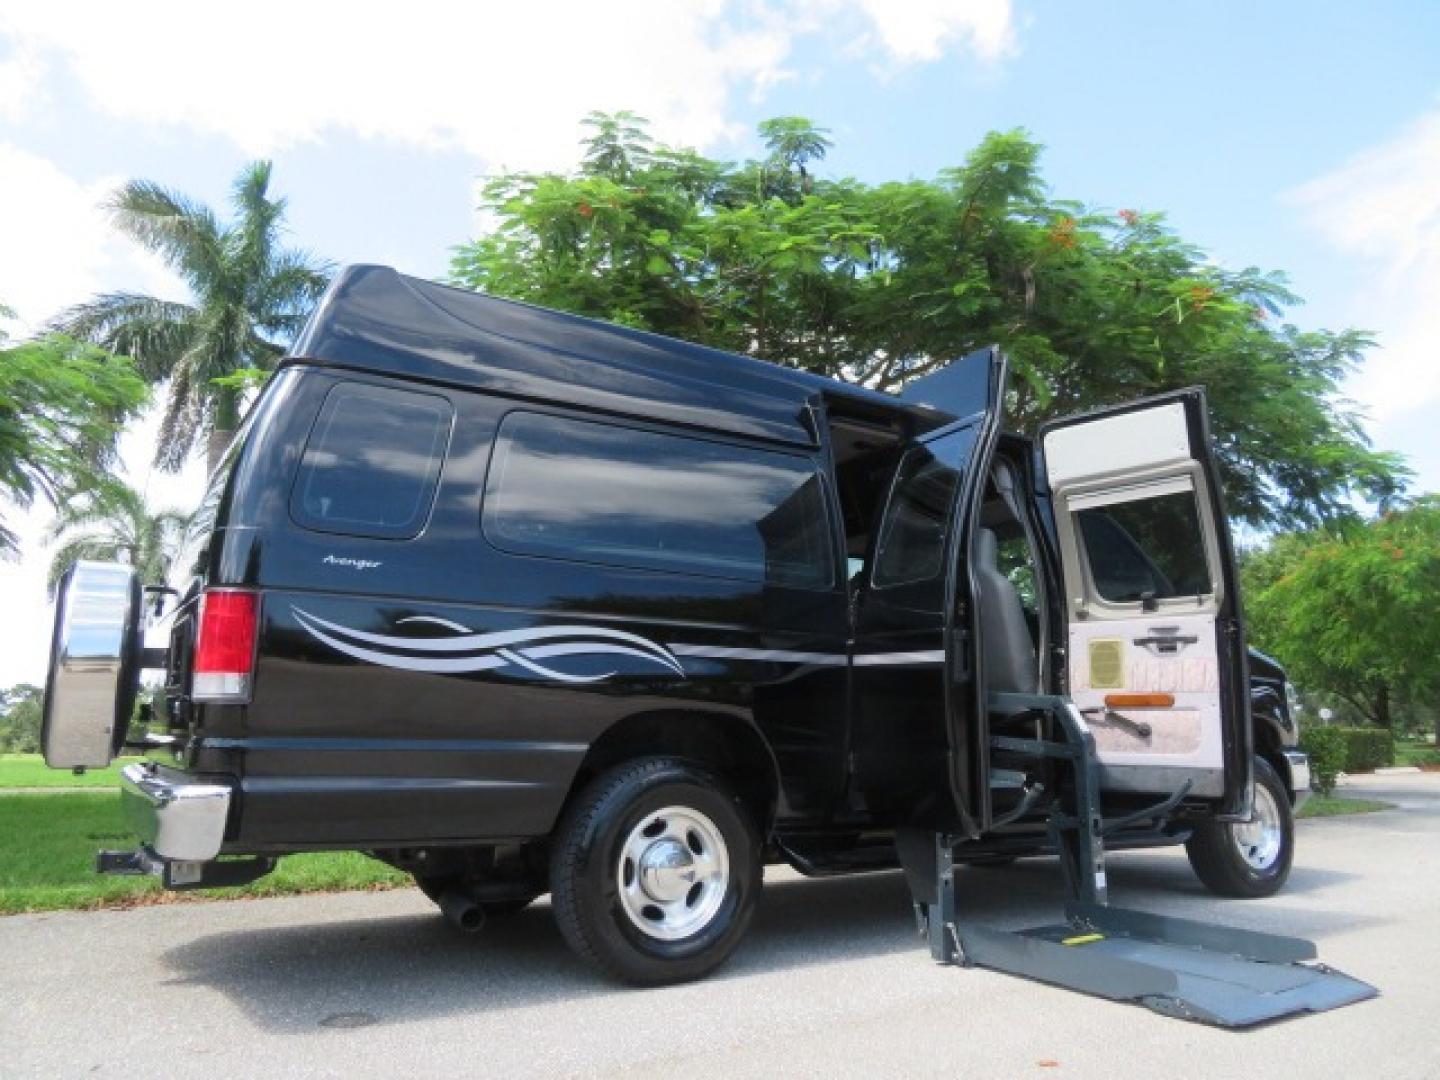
<point>1165,644</point>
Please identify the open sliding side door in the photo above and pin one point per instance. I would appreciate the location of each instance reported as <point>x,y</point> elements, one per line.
<point>1156,647</point>
<point>922,732</point>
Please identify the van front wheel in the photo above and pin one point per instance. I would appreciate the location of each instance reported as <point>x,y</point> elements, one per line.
<point>1252,859</point>
<point>654,872</point>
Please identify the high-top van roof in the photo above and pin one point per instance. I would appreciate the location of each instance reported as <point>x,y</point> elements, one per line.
<point>375,319</point>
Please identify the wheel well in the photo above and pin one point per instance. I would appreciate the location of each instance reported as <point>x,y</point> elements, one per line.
<point>1267,746</point>
<point>724,744</point>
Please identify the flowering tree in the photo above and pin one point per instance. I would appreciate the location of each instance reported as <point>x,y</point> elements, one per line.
<point>1356,611</point>
<point>881,283</point>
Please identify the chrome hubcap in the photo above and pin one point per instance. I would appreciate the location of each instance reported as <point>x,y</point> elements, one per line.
<point>1259,839</point>
<point>673,873</point>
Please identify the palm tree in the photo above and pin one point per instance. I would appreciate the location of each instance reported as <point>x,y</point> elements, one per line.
<point>113,523</point>
<point>247,294</point>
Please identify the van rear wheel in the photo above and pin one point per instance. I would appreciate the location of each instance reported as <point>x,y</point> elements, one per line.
<point>654,873</point>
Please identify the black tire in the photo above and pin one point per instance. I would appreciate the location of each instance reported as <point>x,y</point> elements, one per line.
<point>1216,854</point>
<point>585,871</point>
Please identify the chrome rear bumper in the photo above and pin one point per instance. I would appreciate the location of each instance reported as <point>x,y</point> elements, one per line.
<point>175,816</point>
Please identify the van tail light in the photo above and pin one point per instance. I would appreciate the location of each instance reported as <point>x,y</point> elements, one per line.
<point>225,645</point>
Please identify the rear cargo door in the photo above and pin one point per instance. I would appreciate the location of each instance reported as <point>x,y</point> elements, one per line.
<point>1156,651</point>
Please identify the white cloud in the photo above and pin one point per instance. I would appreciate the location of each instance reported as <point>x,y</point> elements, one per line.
<point>504,83</point>
<point>1381,210</point>
<point>59,249</point>
<point>20,77</point>
<point>923,30</point>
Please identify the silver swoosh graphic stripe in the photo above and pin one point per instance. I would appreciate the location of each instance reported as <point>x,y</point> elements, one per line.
<point>529,655</point>
<point>434,620</point>
<point>893,659</point>
<point>549,673</point>
<point>441,665</point>
<point>477,642</point>
<point>578,648</point>
<point>717,652</point>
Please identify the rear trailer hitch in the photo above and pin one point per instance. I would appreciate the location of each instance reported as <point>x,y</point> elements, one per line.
<point>1177,967</point>
<point>183,874</point>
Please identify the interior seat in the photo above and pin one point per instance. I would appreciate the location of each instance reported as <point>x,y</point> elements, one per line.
<point>1008,648</point>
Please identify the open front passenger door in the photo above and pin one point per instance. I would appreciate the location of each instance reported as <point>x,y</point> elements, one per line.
<point>1156,649</point>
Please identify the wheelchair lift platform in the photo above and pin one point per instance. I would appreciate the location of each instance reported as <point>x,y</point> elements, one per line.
<point>1191,970</point>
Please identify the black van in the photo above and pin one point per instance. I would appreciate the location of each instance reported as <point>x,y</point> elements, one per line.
<point>521,602</point>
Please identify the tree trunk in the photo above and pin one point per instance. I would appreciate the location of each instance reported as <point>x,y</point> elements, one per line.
<point>227,415</point>
<point>215,446</point>
<point>1382,706</point>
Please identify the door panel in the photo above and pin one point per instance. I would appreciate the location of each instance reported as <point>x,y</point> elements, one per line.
<point>1155,650</point>
<point>1124,660</point>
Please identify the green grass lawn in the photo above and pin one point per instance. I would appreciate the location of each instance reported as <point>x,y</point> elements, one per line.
<point>1336,805</point>
<point>1416,753</point>
<point>30,770</point>
<point>47,859</point>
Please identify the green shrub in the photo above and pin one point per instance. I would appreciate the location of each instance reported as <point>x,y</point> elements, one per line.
<point>1367,749</point>
<point>1326,747</point>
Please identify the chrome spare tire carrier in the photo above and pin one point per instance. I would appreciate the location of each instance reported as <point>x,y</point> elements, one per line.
<point>94,666</point>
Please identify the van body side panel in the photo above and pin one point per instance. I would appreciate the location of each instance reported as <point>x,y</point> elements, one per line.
<point>439,688</point>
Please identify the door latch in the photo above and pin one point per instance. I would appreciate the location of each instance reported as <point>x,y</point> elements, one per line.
<point>1107,715</point>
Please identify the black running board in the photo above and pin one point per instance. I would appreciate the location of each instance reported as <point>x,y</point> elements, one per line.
<point>1188,970</point>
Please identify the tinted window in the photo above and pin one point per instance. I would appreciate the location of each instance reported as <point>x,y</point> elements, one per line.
<point>372,461</point>
<point>598,493</point>
<point>1152,545</point>
<point>917,521</point>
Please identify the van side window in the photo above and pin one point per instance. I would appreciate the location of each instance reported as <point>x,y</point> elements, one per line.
<point>372,462</point>
<point>917,521</point>
<point>1146,547</point>
<point>574,489</point>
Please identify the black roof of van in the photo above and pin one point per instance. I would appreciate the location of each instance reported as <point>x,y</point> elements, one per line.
<point>375,319</point>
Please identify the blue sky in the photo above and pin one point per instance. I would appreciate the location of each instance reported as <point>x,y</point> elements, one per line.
<point>1295,136</point>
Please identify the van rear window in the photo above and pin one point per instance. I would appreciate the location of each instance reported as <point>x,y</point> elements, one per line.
<point>372,462</point>
<point>589,492</point>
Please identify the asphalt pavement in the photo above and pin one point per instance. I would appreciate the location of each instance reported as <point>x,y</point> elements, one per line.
<point>831,981</point>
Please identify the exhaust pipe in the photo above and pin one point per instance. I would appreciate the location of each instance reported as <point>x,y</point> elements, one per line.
<point>462,912</point>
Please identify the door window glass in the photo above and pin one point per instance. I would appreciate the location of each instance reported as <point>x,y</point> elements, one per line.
<point>917,521</point>
<point>1151,548</point>
<point>592,492</point>
<point>372,462</point>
